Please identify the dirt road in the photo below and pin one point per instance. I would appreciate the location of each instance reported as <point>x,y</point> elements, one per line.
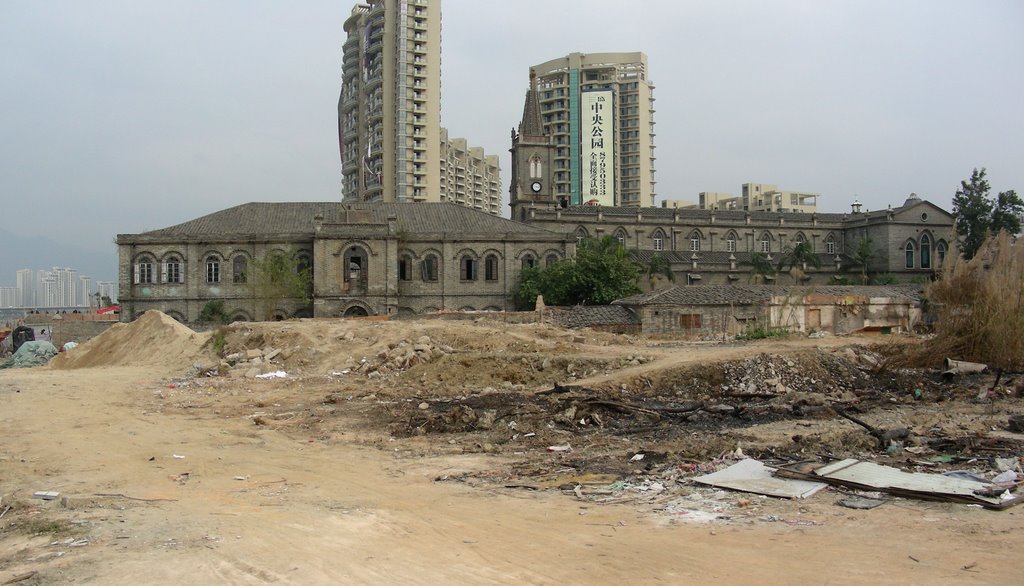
<point>152,495</point>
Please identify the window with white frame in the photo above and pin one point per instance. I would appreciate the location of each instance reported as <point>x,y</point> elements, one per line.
<point>212,269</point>
<point>172,270</point>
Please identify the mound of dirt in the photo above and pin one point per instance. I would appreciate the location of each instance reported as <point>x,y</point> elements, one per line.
<point>154,340</point>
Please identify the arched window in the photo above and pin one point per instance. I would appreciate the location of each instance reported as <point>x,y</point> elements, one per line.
<point>405,268</point>
<point>429,268</point>
<point>910,255</point>
<point>926,252</point>
<point>529,261</point>
<point>536,167</point>
<point>620,235</point>
<point>491,267</point>
<point>354,269</point>
<point>730,242</point>
<point>467,268</point>
<point>212,269</point>
<point>695,241</point>
<point>940,252</point>
<point>766,243</point>
<point>658,240</point>
<point>550,260</point>
<point>239,269</point>
<point>581,235</point>
<point>143,271</point>
<point>830,244</point>
<point>172,270</point>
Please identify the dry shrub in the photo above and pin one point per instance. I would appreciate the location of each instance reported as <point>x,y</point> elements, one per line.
<point>980,306</point>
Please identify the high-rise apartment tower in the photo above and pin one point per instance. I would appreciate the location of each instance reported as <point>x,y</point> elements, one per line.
<point>389,114</point>
<point>598,109</point>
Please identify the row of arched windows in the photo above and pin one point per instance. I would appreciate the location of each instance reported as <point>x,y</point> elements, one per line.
<point>172,270</point>
<point>918,255</point>
<point>469,266</point>
<point>694,241</point>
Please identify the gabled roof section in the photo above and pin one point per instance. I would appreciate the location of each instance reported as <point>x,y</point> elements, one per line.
<point>253,219</point>
<point>432,217</point>
<point>260,219</point>
<point>916,207</point>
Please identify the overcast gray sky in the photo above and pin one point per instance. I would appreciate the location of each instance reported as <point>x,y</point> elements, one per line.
<point>124,116</point>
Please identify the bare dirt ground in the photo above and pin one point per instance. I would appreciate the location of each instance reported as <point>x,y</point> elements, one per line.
<point>418,452</point>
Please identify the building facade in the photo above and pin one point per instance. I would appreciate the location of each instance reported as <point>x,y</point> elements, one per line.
<point>598,110</point>
<point>470,177</point>
<point>759,197</point>
<point>712,246</point>
<point>389,112</point>
<point>365,259</point>
<point>392,145</point>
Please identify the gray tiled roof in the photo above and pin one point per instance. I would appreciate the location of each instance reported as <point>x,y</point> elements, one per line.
<point>697,214</point>
<point>583,316</point>
<point>754,294</point>
<point>261,218</point>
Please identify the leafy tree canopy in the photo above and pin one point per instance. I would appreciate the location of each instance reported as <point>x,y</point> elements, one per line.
<point>977,214</point>
<point>600,273</point>
<point>281,276</point>
<point>760,266</point>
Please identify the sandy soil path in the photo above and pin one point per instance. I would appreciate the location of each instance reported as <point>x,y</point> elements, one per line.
<point>258,507</point>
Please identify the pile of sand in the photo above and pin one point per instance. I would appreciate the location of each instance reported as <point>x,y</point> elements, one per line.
<point>153,340</point>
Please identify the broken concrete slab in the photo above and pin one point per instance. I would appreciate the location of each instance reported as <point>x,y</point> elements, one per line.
<point>853,473</point>
<point>752,475</point>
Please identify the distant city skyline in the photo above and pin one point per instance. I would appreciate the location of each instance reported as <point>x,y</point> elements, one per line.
<point>55,287</point>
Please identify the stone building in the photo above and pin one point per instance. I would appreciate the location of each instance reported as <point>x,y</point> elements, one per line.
<point>710,246</point>
<point>722,311</point>
<point>366,259</point>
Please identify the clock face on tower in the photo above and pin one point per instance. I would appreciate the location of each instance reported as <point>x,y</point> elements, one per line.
<point>535,186</point>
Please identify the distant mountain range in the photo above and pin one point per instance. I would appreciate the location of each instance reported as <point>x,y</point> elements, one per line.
<point>40,252</point>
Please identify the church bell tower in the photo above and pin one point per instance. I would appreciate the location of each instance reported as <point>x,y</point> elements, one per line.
<point>532,155</point>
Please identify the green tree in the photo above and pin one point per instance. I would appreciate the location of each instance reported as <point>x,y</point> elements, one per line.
<point>798,257</point>
<point>657,265</point>
<point>280,276</point>
<point>760,266</point>
<point>600,273</point>
<point>213,312</point>
<point>977,215</point>
<point>862,257</point>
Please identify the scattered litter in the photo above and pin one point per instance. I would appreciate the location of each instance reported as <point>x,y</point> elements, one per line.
<point>1005,477</point>
<point>275,374</point>
<point>855,474</point>
<point>178,456</point>
<point>751,475</point>
<point>797,522</point>
<point>1004,464</point>
<point>860,503</point>
<point>637,458</point>
<point>241,478</point>
<point>46,495</point>
<point>561,448</point>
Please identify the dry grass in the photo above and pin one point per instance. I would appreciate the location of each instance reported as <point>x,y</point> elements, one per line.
<point>980,307</point>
